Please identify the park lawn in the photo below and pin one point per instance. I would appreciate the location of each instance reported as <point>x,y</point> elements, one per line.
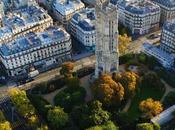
<point>145,92</point>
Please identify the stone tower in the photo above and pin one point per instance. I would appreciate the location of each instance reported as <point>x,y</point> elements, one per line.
<point>1,12</point>
<point>107,57</point>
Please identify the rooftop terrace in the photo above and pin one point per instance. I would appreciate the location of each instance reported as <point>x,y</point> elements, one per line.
<point>33,40</point>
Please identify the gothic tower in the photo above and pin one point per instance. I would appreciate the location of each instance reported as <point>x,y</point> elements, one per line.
<point>107,57</point>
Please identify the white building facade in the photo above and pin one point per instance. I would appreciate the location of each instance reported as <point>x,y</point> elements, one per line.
<point>106,38</point>
<point>38,50</point>
<point>83,27</point>
<point>64,9</point>
<point>140,16</point>
<point>167,9</point>
<point>168,37</point>
<point>166,59</point>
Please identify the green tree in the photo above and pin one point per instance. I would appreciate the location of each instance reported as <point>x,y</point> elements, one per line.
<point>57,118</point>
<point>107,126</point>
<point>69,98</point>
<point>89,115</point>
<point>73,82</point>
<point>144,126</point>
<point>148,126</point>
<point>152,80</point>
<point>24,107</point>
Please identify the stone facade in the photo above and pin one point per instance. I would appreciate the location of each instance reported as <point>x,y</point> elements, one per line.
<point>106,38</point>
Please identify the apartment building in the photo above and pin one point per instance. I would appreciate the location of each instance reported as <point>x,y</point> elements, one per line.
<point>36,50</point>
<point>82,27</point>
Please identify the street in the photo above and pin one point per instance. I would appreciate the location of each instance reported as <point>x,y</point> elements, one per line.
<point>135,47</point>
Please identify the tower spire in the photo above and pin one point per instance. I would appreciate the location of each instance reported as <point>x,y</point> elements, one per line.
<point>106,38</point>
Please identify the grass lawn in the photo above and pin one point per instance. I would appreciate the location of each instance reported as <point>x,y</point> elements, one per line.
<point>145,92</point>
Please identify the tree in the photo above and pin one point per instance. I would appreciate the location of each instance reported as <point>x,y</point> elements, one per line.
<point>43,127</point>
<point>148,126</point>
<point>129,81</point>
<point>150,108</point>
<point>124,42</point>
<point>144,126</point>
<point>108,91</point>
<point>88,115</point>
<point>67,69</point>
<point>4,125</point>
<point>152,80</point>
<point>73,82</point>
<point>69,98</point>
<point>98,115</point>
<point>107,126</point>
<point>57,118</point>
<point>24,107</point>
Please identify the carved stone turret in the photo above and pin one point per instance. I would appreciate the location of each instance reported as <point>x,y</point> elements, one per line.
<point>106,38</point>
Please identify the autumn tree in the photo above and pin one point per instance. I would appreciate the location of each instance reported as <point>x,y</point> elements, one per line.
<point>150,108</point>
<point>4,124</point>
<point>67,69</point>
<point>124,42</point>
<point>129,81</point>
<point>57,118</point>
<point>108,91</point>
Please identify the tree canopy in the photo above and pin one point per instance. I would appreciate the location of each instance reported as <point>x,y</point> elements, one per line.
<point>108,91</point>
<point>23,106</point>
<point>57,118</point>
<point>148,126</point>
<point>4,124</point>
<point>107,126</point>
<point>150,108</point>
<point>67,69</point>
<point>88,115</point>
<point>129,81</point>
<point>124,42</point>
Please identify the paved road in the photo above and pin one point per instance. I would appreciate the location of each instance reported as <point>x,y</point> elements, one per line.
<point>135,46</point>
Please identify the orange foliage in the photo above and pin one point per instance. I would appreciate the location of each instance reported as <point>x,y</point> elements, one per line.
<point>150,108</point>
<point>110,91</point>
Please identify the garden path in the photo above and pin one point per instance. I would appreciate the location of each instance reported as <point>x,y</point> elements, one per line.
<point>168,89</point>
<point>84,82</point>
<point>50,97</point>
